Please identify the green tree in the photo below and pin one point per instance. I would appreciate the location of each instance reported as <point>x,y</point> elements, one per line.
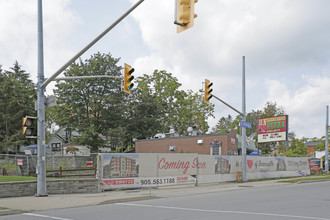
<point>235,124</point>
<point>173,108</point>
<point>92,107</point>
<point>17,98</point>
<point>297,148</point>
<point>253,118</point>
<point>142,117</point>
<point>223,125</point>
<point>321,146</point>
<point>164,90</point>
<point>192,112</point>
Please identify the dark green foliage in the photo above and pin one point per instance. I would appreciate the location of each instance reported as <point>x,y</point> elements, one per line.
<point>17,98</point>
<point>92,107</point>
<point>174,108</point>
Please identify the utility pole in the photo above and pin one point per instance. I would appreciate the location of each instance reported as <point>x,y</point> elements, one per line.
<point>326,163</point>
<point>243,114</point>
<point>41,167</point>
<point>243,128</point>
<point>41,86</point>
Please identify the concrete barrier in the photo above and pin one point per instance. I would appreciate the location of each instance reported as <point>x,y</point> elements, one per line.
<point>29,188</point>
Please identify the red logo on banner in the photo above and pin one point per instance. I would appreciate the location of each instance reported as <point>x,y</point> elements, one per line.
<point>117,182</point>
<point>249,163</point>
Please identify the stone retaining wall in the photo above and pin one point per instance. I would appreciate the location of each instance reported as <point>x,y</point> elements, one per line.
<point>29,188</point>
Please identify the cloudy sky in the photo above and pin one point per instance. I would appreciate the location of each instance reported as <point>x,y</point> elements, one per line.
<point>286,45</point>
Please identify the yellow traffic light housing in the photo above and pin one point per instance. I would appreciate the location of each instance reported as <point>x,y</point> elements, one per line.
<point>128,85</point>
<point>185,14</point>
<point>29,127</point>
<point>207,91</point>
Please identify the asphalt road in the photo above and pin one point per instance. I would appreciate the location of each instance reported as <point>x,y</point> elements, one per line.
<point>285,202</point>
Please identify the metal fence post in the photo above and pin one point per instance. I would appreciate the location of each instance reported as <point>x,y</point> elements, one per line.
<point>27,166</point>
<point>16,165</point>
<point>53,161</point>
<point>157,171</point>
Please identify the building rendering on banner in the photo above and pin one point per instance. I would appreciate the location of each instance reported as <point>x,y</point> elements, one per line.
<point>120,166</point>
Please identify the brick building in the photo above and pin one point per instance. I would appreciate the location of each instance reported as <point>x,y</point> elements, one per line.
<point>217,144</point>
<point>311,147</point>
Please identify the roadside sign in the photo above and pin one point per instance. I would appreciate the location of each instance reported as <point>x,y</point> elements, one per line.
<point>245,124</point>
<point>89,163</point>
<point>27,152</point>
<point>50,101</point>
<point>19,162</point>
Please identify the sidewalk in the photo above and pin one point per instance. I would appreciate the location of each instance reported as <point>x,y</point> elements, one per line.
<point>9,206</point>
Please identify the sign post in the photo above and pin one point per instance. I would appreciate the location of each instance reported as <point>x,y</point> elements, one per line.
<point>326,163</point>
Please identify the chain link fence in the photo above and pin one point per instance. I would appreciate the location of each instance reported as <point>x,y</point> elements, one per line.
<point>25,165</point>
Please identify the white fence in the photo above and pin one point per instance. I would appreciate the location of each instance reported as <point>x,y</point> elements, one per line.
<point>151,170</point>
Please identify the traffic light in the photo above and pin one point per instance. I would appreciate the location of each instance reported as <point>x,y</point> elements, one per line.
<point>128,85</point>
<point>185,14</point>
<point>29,127</point>
<point>207,91</point>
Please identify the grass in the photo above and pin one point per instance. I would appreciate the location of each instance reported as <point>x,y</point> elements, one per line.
<point>266,179</point>
<point>295,179</point>
<point>306,179</point>
<point>16,178</point>
<point>3,208</point>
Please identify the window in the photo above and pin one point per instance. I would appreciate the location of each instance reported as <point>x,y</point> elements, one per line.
<point>56,146</point>
<point>215,148</point>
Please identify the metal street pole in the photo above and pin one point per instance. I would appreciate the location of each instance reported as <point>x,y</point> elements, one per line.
<point>41,167</point>
<point>243,114</point>
<point>243,128</point>
<point>87,77</point>
<point>227,104</point>
<point>41,86</point>
<point>58,72</point>
<point>326,163</point>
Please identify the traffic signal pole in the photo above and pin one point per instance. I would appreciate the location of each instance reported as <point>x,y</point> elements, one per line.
<point>41,156</point>
<point>243,114</point>
<point>41,86</point>
<point>243,128</point>
<point>228,105</point>
<point>58,72</point>
<point>326,163</point>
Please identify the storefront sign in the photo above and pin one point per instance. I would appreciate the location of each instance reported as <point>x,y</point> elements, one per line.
<point>272,129</point>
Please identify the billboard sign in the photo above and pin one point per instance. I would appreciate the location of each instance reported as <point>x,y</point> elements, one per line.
<point>273,129</point>
<point>151,170</point>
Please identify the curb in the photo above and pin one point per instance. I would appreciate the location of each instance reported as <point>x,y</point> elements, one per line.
<point>10,212</point>
<point>140,198</point>
<point>313,181</point>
